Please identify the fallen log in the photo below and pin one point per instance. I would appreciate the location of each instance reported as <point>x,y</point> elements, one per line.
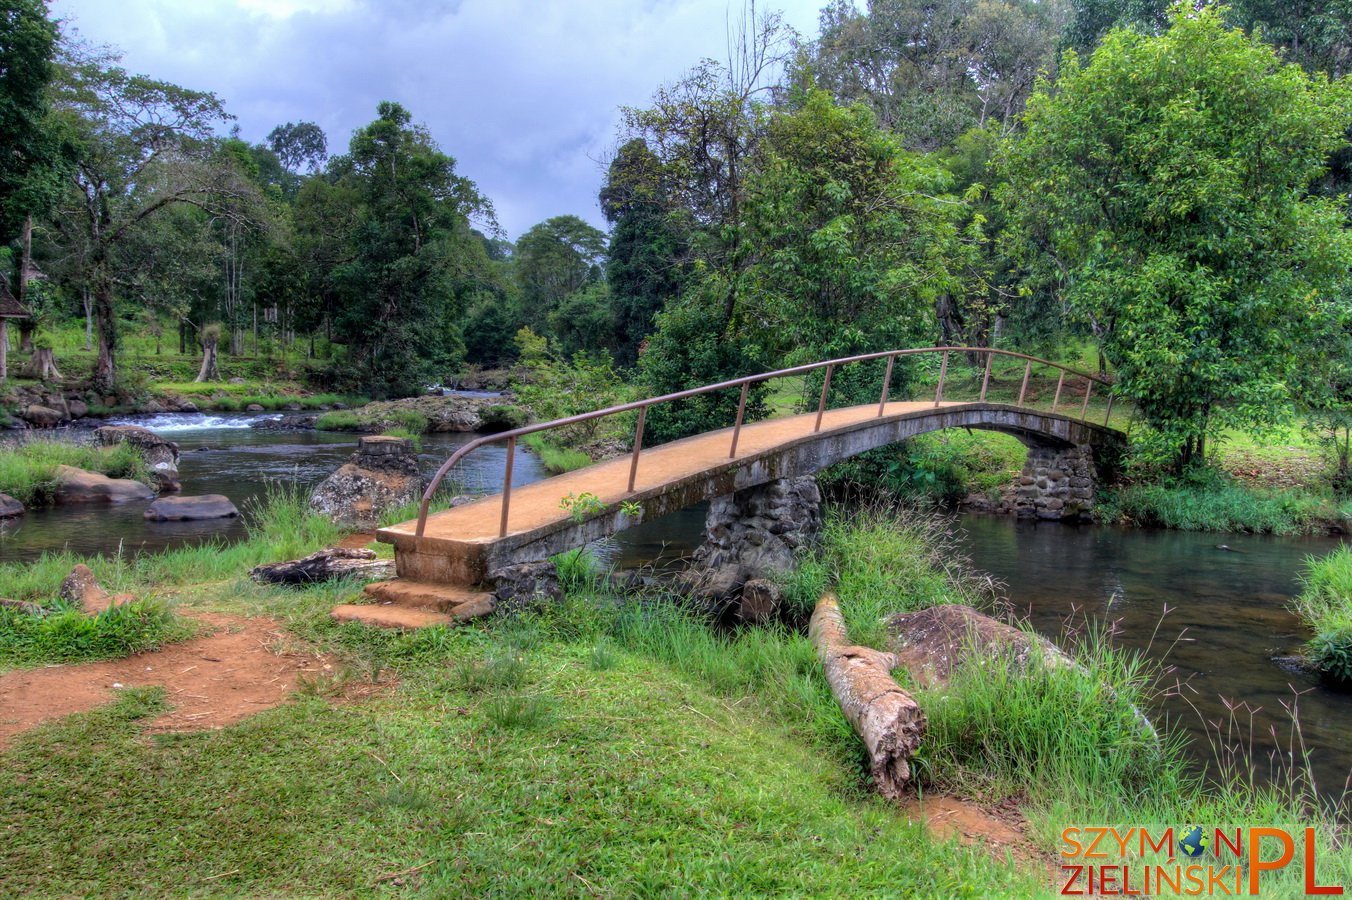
<point>884,715</point>
<point>23,606</point>
<point>326,565</point>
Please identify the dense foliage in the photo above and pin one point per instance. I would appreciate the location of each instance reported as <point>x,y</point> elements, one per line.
<point>1174,192</point>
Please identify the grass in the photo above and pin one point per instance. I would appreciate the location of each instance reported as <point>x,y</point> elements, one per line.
<point>68,635</point>
<point>1325,605</point>
<point>28,468</point>
<point>556,459</point>
<point>339,420</point>
<point>595,746</point>
<point>1217,504</point>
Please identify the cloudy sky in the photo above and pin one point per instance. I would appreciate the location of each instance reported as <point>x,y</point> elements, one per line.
<point>523,93</point>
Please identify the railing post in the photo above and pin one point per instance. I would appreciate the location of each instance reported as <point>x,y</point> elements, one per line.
<point>943,371</point>
<point>638,445</point>
<point>1109,414</point>
<point>887,383</point>
<point>741,412</point>
<point>1084,410</point>
<point>986,379</point>
<point>507,486</point>
<point>1027,370</point>
<point>1061,379</point>
<point>821,405</point>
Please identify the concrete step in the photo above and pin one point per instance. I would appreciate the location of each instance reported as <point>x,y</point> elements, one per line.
<point>411,604</point>
<point>383,615</point>
<point>424,595</point>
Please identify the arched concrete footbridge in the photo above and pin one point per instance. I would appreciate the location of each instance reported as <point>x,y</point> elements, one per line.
<point>464,545</point>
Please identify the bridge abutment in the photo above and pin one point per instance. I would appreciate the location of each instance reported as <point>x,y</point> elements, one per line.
<point>1057,483</point>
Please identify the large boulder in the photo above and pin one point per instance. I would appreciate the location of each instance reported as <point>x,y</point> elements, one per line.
<point>41,416</point>
<point>78,486</point>
<point>9,507</point>
<point>160,455</point>
<point>191,509</point>
<point>932,643</point>
<point>382,474</point>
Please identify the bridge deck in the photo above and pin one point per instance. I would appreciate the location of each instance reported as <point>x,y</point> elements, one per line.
<point>536,506</point>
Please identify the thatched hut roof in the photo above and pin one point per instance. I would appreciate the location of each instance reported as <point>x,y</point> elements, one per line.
<point>9,307</point>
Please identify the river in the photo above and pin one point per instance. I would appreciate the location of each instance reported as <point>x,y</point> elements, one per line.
<point>1217,619</point>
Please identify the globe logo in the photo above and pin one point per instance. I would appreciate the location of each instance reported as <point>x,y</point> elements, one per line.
<point>1194,842</point>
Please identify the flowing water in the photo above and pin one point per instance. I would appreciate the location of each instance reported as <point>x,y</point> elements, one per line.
<point>1217,618</point>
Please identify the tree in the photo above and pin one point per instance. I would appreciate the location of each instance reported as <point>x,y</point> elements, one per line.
<point>553,259</point>
<point>855,240</point>
<point>412,253</point>
<point>932,70</point>
<point>648,245</point>
<point>142,147</point>
<point>299,143</point>
<point>1168,183</point>
<point>29,151</point>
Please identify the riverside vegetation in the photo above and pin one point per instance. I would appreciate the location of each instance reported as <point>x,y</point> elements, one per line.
<point>603,742</point>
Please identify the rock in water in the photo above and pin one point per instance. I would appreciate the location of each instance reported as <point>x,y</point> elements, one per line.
<point>9,507</point>
<point>190,509</point>
<point>41,416</point>
<point>160,455</point>
<point>78,486</point>
<point>382,474</point>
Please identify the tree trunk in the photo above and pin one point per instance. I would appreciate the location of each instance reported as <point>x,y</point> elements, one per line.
<point>105,381</point>
<point>209,371</point>
<point>88,302</point>
<point>4,350</point>
<point>326,565</point>
<point>886,717</point>
<point>42,366</point>
<point>26,326</point>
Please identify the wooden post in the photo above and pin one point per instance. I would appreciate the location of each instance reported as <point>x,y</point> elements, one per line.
<point>943,371</point>
<point>638,445</point>
<point>507,485</point>
<point>887,383</point>
<point>821,406</point>
<point>4,349</point>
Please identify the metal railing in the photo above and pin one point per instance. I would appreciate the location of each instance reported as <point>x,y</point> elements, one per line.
<point>745,384</point>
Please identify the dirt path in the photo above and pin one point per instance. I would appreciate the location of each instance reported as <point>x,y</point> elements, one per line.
<point>211,681</point>
<point>995,829</point>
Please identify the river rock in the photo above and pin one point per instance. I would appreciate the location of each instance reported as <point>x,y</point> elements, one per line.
<point>381,475</point>
<point>191,509</point>
<point>254,407</point>
<point>160,455</point>
<point>83,589</point>
<point>9,507</point>
<point>78,408</point>
<point>78,486</point>
<point>286,423</point>
<point>325,565</point>
<point>524,585</point>
<point>754,533</point>
<point>458,414</point>
<point>933,642</point>
<point>41,416</point>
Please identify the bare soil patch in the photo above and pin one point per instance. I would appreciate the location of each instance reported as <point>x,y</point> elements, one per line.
<point>999,829</point>
<point>211,681</point>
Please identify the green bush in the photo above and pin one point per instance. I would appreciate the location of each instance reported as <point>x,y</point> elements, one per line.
<point>502,417</point>
<point>410,420</point>
<point>413,437</point>
<point>1214,504</point>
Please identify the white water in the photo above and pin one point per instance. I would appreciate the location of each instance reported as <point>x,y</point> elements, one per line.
<point>195,421</point>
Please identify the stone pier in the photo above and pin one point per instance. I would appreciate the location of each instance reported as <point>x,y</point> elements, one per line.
<point>1057,483</point>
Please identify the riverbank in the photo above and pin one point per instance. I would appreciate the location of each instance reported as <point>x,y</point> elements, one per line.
<point>598,745</point>
<point>1326,607</point>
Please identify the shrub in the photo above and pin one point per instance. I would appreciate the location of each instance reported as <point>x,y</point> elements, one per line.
<point>502,417</point>
<point>1325,605</point>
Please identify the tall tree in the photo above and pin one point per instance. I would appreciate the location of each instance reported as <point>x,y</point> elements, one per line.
<point>143,147</point>
<point>299,143</point>
<point>400,298</point>
<point>1168,183</point>
<point>554,259</point>
<point>648,245</point>
<point>28,148</point>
